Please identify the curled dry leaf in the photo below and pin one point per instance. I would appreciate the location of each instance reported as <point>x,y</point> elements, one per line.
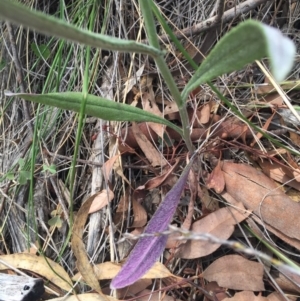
<point>149,105</point>
<point>159,180</point>
<point>39,265</point>
<point>220,224</point>
<point>108,270</point>
<point>133,289</point>
<point>108,166</point>
<point>140,214</point>
<point>277,172</point>
<point>259,193</point>
<point>101,199</point>
<point>278,297</point>
<point>236,272</point>
<point>286,284</point>
<point>291,241</point>
<point>85,297</point>
<point>78,248</point>
<point>216,179</point>
<point>127,136</point>
<point>152,154</point>
<point>246,296</point>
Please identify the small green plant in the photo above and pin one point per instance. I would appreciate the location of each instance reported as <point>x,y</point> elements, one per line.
<point>244,44</point>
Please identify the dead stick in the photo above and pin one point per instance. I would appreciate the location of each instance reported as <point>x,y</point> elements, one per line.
<point>213,21</point>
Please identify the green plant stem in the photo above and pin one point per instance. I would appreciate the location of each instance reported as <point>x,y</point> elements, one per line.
<point>285,259</point>
<point>165,72</point>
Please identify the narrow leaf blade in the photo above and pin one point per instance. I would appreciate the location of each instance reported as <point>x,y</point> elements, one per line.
<point>149,248</point>
<point>96,106</point>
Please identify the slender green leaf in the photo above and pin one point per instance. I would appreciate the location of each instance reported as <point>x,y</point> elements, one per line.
<point>249,41</point>
<point>96,106</point>
<point>20,14</point>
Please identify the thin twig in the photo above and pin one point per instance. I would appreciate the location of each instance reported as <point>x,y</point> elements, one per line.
<point>220,10</point>
<point>228,15</point>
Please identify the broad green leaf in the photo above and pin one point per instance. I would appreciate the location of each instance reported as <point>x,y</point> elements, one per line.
<point>51,168</point>
<point>96,106</point>
<point>24,175</point>
<point>17,13</point>
<point>249,41</point>
<point>55,221</point>
<point>41,51</point>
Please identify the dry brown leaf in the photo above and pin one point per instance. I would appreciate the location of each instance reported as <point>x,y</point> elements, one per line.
<point>108,270</point>
<point>78,248</point>
<point>276,172</point>
<point>285,284</point>
<point>133,289</point>
<point>209,204</point>
<point>261,195</point>
<point>85,297</point>
<point>265,127</point>
<point>204,114</point>
<point>246,296</point>
<point>295,138</point>
<point>276,297</point>
<point>149,105</point>
<point>236,272</point>
<point>291,241</point>
<point>108,166</point>
<point>152,154</point>
<point>216,179</point>
<point>171,108</point>
<point>220,224</point>
<point>39,265</point>
<point>139,215</point>
<point>157,181</point>
<point>127,139</point>
<point>101,199</point>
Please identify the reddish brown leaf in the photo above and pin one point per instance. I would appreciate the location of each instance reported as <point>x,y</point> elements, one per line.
<point>277,173</point>
<point>101,199</point>
<point>108,166</point>
<point>260,194</point>
<point>149,105</point>
<point>151,153</point>
<point>278,297</point>
<point>139,214</point>
<point>246,296</point>
<point>133,289</point>
<point>157,181</point>
<point>127,136</point>
<point>285,284</point>
<point>216,179</point>
<point>291,241</point>
<point>220,224</point>
<point>236,272</point>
